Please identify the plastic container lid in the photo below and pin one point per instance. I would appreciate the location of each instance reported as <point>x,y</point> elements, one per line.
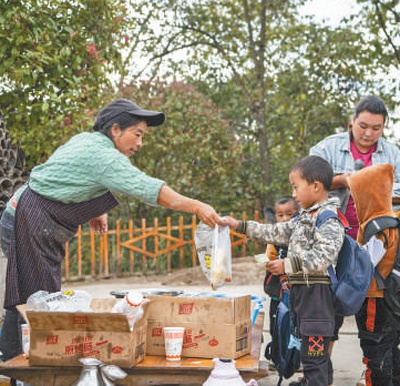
<point>134,298</point>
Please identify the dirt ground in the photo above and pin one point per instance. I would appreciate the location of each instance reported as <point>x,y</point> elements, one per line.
<point>245,271</point>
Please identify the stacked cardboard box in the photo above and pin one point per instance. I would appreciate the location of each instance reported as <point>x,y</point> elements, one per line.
<point>214,326</point>
<point>61,338</point>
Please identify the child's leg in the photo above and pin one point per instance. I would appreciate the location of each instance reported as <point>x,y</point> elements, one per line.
<point>396,360</point>
<point>379,337</point>
<point>316,361</point>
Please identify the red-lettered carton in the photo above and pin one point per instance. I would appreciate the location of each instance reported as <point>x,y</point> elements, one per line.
<point>62,338</point>
<point>214,326</point>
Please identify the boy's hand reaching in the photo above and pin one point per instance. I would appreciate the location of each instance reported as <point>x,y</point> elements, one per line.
<point>230,222</point>
<point>276,267</point>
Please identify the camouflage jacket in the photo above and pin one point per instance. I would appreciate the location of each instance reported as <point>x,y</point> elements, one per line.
<point>311,250</point>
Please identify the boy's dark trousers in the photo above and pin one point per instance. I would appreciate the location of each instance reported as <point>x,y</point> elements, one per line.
<point>379,333</point>
<point>313,305</point>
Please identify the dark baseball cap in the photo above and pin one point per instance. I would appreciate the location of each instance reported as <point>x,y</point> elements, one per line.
<point>119,106</point>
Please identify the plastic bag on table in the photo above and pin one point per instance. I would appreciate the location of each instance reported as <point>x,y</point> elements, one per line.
<point>214,252</point>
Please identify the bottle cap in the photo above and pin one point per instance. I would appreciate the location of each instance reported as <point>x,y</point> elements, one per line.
<point>134,298</point>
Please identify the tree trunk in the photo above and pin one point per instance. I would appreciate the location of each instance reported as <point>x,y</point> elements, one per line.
<point>12,166</point>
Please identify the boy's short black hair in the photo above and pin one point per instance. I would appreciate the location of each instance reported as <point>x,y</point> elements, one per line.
<point>314,168</point>
<point>285,199</point>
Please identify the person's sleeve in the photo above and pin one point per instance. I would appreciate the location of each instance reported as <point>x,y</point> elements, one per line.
<point>277,234</point>
<point>122,177</point>
<point>396,182</point>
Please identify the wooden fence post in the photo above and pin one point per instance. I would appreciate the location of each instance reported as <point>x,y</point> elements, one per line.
<point>172,238</point>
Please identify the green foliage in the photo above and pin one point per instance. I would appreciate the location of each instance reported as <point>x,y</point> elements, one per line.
<point>281,82</point>
<point>194,151</point>
<point>54,59</point>
<point>249,84</point>
<point>382,19</point>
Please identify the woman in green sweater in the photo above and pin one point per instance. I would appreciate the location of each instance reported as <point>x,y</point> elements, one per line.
<point>75,186</point>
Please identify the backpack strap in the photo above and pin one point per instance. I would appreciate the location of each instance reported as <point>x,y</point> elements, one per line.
<point>322,217</point>
<point>380,281</point>
<point>325,214</point>
<point>378,224</point>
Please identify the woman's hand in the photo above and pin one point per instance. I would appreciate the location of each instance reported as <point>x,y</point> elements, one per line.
<point>99,224</point>
<point>170,199</point>
<point>208,215</point>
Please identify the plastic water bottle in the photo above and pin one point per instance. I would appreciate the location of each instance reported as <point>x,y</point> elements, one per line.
<point>77,300</point>
<point>132,306</point>
<point>37,301</point>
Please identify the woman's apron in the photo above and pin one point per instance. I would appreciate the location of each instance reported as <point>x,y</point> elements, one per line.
<point>41,229</point>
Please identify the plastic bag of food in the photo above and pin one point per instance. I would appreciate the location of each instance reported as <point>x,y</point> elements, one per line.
<point>214,252</point>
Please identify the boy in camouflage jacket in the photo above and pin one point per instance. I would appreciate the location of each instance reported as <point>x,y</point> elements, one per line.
<point>311,251</point>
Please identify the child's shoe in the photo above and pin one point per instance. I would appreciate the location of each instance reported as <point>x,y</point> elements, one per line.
<point>300,369</point>
<point>302,382</point>
<point>361,382</point>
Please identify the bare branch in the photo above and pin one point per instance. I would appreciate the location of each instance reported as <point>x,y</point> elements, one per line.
<point>382,24</point>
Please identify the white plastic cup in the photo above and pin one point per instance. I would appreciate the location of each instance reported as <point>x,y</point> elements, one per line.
<point>26,335</point>
<point>173,342</point>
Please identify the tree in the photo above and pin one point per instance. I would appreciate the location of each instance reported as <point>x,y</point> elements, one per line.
<point>381,18</point>
<point>55,60</point>
<point>193,151</point>
<point>281,81</point>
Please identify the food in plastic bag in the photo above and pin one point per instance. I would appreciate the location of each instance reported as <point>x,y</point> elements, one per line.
<point>214,252</point>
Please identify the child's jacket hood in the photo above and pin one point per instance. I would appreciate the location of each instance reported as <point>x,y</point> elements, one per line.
<point>371,189</point>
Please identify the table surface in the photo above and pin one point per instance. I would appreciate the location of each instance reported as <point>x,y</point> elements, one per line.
<point>153,370</point>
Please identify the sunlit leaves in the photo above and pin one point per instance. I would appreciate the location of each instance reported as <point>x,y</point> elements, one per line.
<point>194,151</point>
<point>54,61</point>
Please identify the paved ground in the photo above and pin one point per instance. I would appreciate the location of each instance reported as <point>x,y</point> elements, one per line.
<point>346,356</point>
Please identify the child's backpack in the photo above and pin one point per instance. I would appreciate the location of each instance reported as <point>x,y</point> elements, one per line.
<point>353,273</point>
<point>390,285</point>
<point>284,348</point>
<point>354,270</point>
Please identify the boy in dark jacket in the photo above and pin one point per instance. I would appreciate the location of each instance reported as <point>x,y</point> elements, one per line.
<point>379,328</point>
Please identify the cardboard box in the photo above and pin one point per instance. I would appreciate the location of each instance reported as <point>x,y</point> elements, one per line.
<point>61,338</point>
<point>214,326</point>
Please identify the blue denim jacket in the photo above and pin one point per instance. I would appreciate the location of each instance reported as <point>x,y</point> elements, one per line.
<point>336,150</point>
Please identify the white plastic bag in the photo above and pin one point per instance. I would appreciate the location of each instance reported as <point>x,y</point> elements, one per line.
<point>214,252</point>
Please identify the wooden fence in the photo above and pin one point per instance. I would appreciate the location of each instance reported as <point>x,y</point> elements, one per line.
<point>146,249</point>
